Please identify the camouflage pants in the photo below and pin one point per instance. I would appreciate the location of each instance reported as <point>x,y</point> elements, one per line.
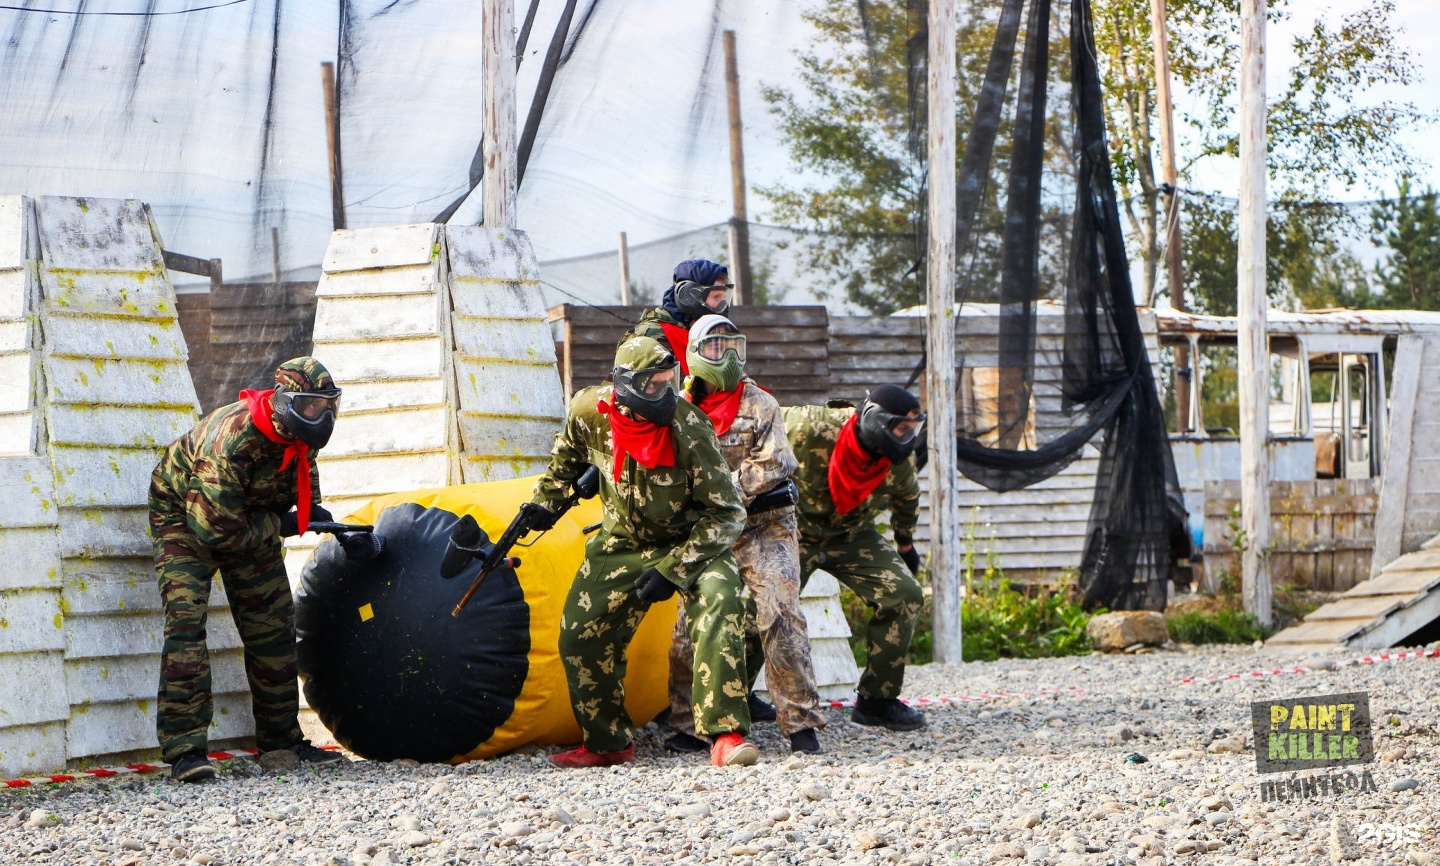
<point>600,618</point>
<point>264,612</point>
<point>769,559</point>
<point>873,570</point>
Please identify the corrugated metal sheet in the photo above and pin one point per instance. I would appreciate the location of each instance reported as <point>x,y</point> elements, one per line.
<point>89,397</point>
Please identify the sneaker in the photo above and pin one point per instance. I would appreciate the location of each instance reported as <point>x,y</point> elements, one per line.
<point>192,767</point>
<point>805,741</point>
<point>759,710</point>
<point>686,744</point>
<point>314,755</point>
<point>583,757</point>
<point>886,713</point>
<point>731,750</point>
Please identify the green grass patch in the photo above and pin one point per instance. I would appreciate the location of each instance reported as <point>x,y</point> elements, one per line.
<point>1215,626</point>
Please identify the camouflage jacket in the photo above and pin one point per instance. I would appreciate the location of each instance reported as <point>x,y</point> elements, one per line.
<point>813,431</point>
<point>224,478</point>
<point>649,326</point>
<point>755,446</point>
<point>688,512</point>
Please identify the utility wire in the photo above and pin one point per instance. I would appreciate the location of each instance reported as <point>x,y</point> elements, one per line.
<point>123,14</point>
<point>567,293</point>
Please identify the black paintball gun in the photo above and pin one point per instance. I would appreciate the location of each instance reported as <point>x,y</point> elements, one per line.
<point>359,541</point>
<point>468,541</point>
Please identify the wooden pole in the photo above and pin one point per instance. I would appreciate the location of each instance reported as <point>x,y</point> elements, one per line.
<point>497,23</point>
<point>740,222</point>
<point>626,297</point>
<point>332,141</point>
<point>1170,177</point>
<point>1252,304</point>
<point>275,272</point>
<point>944,567</point>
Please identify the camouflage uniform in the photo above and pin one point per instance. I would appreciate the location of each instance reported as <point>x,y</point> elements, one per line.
<point>649,326</point>
<point>216,498</point>
<point>849,547</point>
<point>759,457</point>
<point>681,520</point>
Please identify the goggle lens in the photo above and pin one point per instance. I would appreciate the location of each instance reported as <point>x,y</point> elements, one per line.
<point>312,406</point>
<point>715,346</point>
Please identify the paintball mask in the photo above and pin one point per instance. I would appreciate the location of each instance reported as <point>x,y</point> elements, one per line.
<point>716,353</point>
<point>647,380</point>
<point>306,400</point>
<point>886,427</point>
<point>690,298</point>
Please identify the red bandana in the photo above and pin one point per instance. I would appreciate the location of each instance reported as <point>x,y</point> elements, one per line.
<point>678,338</point>
<point>722,407</point>
<point>854,474</point>
<point>648,443</point>
<point>261,415</point>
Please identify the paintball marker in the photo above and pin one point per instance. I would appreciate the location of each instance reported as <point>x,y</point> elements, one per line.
<point>467,539</point>
<point>359,541</point>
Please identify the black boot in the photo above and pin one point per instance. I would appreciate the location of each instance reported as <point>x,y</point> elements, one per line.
<point>316,756</point>
<point>886,713</point>
<point>805,741</point>
<point>686,744</point>
<point>192,767</point>
<point>759,710</point>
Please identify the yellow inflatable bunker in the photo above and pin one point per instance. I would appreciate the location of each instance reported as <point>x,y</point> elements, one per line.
<point>393,674</point>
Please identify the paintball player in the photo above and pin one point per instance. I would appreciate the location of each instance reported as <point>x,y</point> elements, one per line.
<point>853,464</point>
<point>221,498</point>
<point>671,516</point>
<point>752,438</point>
<point>700,288</point>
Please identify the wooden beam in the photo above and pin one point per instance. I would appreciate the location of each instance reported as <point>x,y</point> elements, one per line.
<point>1170,178</point>
<point>332,143</point>
<point>944,563</point>
<point>497,24</point>
<point>625,291</point>
<point>1251,308</point>
<point>740,221</point>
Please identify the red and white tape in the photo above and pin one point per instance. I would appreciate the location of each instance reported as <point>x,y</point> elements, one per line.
<point>127,770</point>
<point>1300,669</point>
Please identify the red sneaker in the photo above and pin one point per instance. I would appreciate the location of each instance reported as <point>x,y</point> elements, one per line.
<point>731,750</point>
<point>583,757</point>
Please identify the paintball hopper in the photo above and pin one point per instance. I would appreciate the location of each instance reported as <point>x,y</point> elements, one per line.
<point>467,542</point>
<point>360,541</point>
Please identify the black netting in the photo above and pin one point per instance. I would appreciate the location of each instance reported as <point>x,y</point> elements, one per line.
<point>1038,220</point>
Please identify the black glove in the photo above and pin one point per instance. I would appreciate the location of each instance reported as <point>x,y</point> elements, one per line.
<point>538,517</point>
<point>652,586</point>
<point>912,559</point>
<point>290,520</point>
<point>361,546</point>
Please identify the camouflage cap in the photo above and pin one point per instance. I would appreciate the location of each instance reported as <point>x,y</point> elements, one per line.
<point>303,375</point>
<point>642,353</point>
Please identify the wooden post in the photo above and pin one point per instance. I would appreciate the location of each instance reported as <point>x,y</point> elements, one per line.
<point>217,276</point>
<point>740,222</point>
<point>626,298</point>
<point>497,24</point>
<point>275,272</point>
<point>944,566</point>
<point>332,141</point>
<point>1169,176</point>
<point>1251,306</point>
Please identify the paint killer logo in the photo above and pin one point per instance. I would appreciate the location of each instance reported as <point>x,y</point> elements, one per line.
<point>1326,731</point>
<point>1306,733</point>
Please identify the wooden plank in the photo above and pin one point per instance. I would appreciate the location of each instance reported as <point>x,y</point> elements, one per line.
<point>420,279</point>
<point>375,361</point>
<point>14,295</point>
<point>118,426</point>
<point>27,750</point>
<point>516,340</point>
<point>32,558</point>
<point>1404,583</point>
<point>104,532</point>
<point>376,476</point>
<point>501,388</point>
<point>364,397</point>
<point>27,687</point>
<point>495,254</point>
<point>113,477</point>
<point>30,621</point>
<point>97,234</point>
<point>1358,608</point>
<point>14,231</point>
<point>1400,625</point>
<point>1329,633</point>
<point>1422,560</point>
<point>384,247</point>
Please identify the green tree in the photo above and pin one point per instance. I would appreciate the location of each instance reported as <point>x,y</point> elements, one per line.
<point>1319,128</point>
<point>1408,227</point>
<point>856,134</point>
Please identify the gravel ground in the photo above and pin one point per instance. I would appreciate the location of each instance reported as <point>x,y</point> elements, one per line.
<point>1032,779</point>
